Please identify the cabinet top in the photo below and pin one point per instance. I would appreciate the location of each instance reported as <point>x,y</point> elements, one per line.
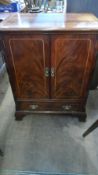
<point>50,22</point>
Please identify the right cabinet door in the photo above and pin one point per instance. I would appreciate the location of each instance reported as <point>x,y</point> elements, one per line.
<point>72,62</point>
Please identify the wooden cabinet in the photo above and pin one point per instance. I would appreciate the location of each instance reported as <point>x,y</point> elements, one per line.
<point>50,71</point>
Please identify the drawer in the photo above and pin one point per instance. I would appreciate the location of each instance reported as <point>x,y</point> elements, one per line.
<point>48,106</point>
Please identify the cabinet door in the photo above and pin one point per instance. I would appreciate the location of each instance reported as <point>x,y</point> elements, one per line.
<point>72,63</point>
<point>27,61</point>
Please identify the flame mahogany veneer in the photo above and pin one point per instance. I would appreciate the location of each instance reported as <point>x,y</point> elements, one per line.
<point>50,59</point>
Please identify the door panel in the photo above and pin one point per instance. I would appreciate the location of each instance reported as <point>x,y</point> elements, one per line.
<point>72,59</point>
<point>29,58</point>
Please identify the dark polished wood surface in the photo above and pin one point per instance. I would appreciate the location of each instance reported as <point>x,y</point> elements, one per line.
<point>30,57</point>
<point>72,59</point>
<point>50,69</point>
<point>49,22</point>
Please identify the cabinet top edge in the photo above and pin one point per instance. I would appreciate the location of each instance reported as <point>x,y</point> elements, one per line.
<point>50,22</point>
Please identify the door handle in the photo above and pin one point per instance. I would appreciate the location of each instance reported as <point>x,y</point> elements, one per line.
<point>52,72</point>
<point>46,72</point>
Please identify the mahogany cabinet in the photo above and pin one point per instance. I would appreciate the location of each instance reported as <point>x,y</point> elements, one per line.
<point>49,70</point>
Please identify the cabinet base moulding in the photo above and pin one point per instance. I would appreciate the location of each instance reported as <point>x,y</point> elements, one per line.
<point>19,115</point>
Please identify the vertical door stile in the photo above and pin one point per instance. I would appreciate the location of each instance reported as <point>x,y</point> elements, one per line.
<point>53,66</point>
<point>47,65</point>
<point>50,64</point>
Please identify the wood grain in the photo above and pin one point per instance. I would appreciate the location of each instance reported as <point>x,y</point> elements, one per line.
<point>71,60</point>
<point>50,22</point>
<point>29,58</point>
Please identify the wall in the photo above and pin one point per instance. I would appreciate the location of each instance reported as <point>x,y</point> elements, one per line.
<point>83,6</point>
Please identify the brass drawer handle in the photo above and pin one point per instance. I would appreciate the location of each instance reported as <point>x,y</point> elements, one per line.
<point>67,107</point>
<point>46,72</point>
<point>33,107</point>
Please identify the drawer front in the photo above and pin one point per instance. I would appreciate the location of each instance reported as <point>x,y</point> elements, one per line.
<point>49,106</point>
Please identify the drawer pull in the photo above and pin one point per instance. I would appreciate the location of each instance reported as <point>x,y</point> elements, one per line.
<point>66,107</point>
<point>33,107</point>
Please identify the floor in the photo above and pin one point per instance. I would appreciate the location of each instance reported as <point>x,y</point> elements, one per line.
<point>44,143</point>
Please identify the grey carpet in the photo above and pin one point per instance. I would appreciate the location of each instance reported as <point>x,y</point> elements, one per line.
<point>11,172</point>
<point>4,83</point>
<point>45,143</point>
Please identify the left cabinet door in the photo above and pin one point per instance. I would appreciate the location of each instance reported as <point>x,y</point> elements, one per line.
<point>27,60</point>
